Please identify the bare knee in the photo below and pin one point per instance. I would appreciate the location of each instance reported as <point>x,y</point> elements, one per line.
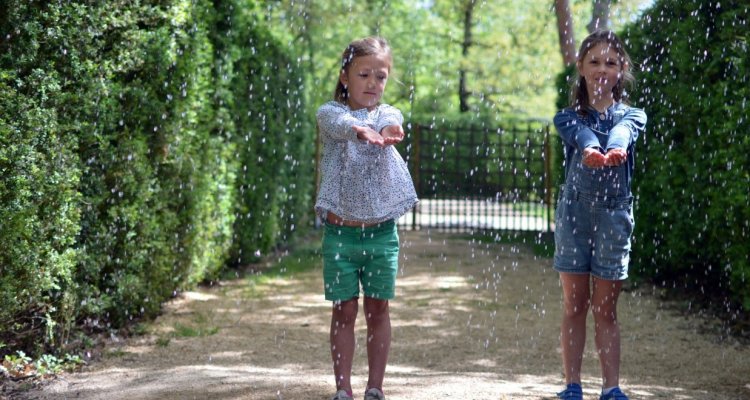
<point>604,315</point>
<point>345,312</point>
<point>604,301</point>
<point>576,310</point>
<point>376,309</point>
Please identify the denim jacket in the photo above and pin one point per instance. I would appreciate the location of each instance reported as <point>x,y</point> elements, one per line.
<point>618,127</point>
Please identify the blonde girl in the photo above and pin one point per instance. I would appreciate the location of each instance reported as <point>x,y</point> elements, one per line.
<point>365,187</point>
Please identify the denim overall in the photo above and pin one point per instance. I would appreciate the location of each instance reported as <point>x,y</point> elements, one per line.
<point>594,217</point>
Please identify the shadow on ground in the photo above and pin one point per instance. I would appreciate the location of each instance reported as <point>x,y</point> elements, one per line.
<point>471,321</point>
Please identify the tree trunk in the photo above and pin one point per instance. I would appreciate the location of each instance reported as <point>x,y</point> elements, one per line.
<point>463,93</point>
<point>600,16</point>
<point>565,32</point>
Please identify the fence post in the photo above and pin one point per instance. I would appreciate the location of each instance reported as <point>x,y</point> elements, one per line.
<point>547,175</point>
<point>416,139</point>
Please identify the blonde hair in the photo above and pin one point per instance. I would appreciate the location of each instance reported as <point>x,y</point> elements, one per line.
<point>359,48</point>
<point>579,95</point>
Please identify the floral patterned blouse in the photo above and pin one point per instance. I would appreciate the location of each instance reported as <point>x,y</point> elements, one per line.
<point>360,181</point>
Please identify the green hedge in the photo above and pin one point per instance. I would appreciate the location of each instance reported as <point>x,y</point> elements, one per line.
<point>274,136</point>
<point>143,147</point>
<point>39,177</point>
<point>693,211</point>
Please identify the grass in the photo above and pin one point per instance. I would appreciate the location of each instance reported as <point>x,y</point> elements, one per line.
<point>305,257</point>
<point>116,353</point>
<point>541,244</point>
<point>200,325</point>
<point>181,330</point>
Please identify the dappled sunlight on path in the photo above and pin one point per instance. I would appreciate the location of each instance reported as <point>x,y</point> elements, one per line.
<point>471,320</point>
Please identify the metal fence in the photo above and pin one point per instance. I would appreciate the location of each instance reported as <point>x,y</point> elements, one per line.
<point>471,178</point>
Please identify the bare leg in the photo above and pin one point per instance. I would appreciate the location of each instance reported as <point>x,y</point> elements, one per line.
<point>343,316</point>
<point>607,330</point>
<point>576,295</point>
<point>378,340</point>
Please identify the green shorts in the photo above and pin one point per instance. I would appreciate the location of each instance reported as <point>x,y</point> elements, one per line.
<point>360,255</point>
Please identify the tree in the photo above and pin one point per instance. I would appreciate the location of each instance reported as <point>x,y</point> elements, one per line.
<point>599,16</point>
<point>500,54</point>
<point>565,32</point>
<point>450,57</point>
<point>463,94</point>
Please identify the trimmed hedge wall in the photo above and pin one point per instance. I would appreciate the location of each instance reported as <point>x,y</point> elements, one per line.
<point>144,146</point>
<point>693,211</point>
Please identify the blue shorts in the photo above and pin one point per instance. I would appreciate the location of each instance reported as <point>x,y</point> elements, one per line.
<point>592,234</point>
<point>354,255</point>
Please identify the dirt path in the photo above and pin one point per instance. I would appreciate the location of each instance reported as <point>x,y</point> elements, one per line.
<point>470,321</point>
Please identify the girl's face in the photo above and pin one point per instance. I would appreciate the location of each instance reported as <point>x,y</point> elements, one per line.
<point>365,80</point>
<point>601,68</point>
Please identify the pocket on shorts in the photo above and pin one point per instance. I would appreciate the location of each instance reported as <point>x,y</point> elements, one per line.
<point>623,212</point>
<point>614,236</point>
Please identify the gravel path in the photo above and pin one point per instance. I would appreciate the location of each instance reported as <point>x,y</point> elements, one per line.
<point>470,321</point>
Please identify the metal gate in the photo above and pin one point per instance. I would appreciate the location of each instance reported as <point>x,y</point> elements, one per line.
<point>475,178</point>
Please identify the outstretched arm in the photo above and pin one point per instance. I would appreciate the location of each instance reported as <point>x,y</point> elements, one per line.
<point>387,116</point>
<point>576,134</point>
<point>573,132</point>
<point>625,132</point>
<point>623,135</point>
<point>336,122</point>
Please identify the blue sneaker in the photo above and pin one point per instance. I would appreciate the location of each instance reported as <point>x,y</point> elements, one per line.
<point>615,394</point>
<point>572,392</point>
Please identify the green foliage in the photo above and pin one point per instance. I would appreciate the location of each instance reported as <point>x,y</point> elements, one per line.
<point>191,331</point>
<point>158,180</point>
<point>20,365</point>
<point>133,136</point>
<point>16,362</point>
<point>262,95</point>
<point>39,174</point>
<point>694,172</point>
<point>48,364</point>
<point>304,257</point>
<point>509,64</point>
